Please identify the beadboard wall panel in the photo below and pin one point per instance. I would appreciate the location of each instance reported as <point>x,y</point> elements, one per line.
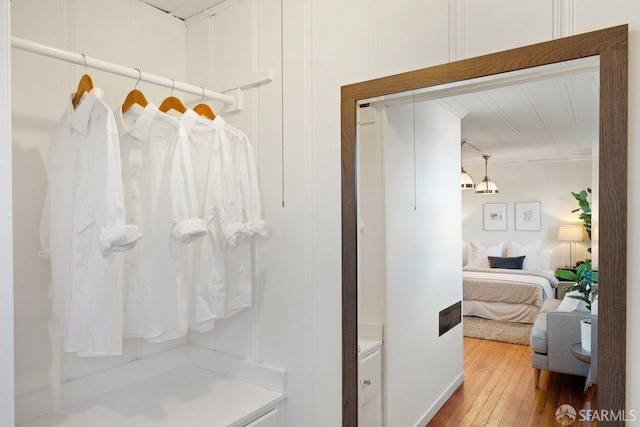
<point>126,32</point>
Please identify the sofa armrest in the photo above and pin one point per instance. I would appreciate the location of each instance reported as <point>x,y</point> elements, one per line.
<point>563,330</point>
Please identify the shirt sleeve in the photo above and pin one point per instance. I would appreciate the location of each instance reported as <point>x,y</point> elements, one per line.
<point>223,180</point>
<point>105,194</point>
<point>256,226</point>
<point>187,225</point>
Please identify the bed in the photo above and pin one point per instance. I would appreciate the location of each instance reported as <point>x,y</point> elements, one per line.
<point>506,294</point>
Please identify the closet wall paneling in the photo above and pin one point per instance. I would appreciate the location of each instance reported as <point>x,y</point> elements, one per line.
<point>6,238</point>
<point>228,49</point>
<point>240,38</point>
<point>126,32</point>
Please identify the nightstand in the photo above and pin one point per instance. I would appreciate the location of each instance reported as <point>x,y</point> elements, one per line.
<point>562,284</point>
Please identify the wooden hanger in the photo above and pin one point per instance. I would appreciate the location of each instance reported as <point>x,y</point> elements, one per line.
<point>172,103</point>
<point>204,109</point>
<point>84,85</point>
<point>135,96</point>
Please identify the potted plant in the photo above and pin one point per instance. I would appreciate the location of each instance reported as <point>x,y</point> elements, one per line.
<point>584,276</point>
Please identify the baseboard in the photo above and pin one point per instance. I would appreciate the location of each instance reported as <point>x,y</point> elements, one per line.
<point>264,376</point>
<point>431,412</point>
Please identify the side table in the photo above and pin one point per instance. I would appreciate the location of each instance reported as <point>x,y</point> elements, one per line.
<point>584,356</point>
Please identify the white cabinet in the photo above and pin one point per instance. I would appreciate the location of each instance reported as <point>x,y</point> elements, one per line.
<point>369,394</point>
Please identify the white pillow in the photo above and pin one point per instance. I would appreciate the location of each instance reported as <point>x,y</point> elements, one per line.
<point>479,254</point>
<point>465,252</point>
<point>572,304</point>
<point>544,261</point>
<point>532,253</point>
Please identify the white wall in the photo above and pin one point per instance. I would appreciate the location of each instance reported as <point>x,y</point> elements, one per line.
<point>549,183</point>
<point>423,278</point>
<point>372,253</point>
<point>7,415</point>
<point>126,32</point>
<point>368,39</point>
<point>242,38</point>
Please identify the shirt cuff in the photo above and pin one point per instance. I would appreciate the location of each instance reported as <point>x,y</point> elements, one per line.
<point>189,230</point>
<point>258,228</point>
<point>234,233</point>
<point>118,239</point>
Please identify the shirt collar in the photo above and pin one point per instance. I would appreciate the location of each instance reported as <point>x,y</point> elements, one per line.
<point>188,119</point>
<point>219,121</point>
<point>142,124</point>
<point>82,113</point>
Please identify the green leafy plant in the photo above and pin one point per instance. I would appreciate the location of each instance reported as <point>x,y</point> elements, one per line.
<point>584,208</point>
<point>584,278</point>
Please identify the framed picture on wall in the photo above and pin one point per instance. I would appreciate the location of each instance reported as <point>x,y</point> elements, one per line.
<point>495,216</point>
<point>528,216</point>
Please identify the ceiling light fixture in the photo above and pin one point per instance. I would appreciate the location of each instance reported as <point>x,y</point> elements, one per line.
<point>466,182</point>
<point>486,186</point>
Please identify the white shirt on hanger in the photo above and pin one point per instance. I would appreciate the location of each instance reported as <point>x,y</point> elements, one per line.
<point>210,157</point>
<point>243,223</point>
<point>83,223</point>
<point>160,197</point>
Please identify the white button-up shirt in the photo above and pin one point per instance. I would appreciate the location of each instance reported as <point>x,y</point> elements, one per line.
<point>82,224</point>
<point>160,197</point>
<point>243,222</point>
<point>210,157</point>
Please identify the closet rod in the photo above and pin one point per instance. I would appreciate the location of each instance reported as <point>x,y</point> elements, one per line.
<point>109,67</point>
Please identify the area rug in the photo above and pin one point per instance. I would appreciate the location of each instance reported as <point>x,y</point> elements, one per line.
<point>495,330</point>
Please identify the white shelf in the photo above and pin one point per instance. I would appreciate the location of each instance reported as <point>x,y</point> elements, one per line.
<point>184,396</point>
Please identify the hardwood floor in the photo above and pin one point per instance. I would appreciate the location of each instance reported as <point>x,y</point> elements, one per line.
<point>499,391</point>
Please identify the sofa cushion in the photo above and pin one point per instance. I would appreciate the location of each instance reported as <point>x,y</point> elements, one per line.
<point>550,304</point>
<point>572,304</point>
<point>538,338</point>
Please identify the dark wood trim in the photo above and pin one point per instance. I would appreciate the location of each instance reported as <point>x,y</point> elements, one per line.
<point>349,267</point>
<point>612,46</point>
<point>612,322</point>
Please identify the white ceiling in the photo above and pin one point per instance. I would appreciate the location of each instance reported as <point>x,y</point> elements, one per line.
<point>539,115</point>
<point>183,9</point>
<point>554,119</point>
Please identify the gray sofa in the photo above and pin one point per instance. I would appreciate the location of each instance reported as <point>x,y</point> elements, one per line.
<point>552,335</point>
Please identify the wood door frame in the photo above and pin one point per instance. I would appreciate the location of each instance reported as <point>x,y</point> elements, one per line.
<point>611,44</point>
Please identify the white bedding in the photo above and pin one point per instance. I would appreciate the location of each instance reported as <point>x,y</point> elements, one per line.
<point>508,295</point>
<point>500,275</point>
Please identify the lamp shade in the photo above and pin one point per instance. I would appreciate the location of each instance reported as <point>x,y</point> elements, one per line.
<point>571,233</point>
<point>466,182</point>
<point>486,186</point>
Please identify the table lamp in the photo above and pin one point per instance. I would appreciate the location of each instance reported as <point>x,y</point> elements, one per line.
<point>571,233</point>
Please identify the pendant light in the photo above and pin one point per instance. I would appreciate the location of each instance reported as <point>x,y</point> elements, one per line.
<point>486,186</point>
<point>466,182</point>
